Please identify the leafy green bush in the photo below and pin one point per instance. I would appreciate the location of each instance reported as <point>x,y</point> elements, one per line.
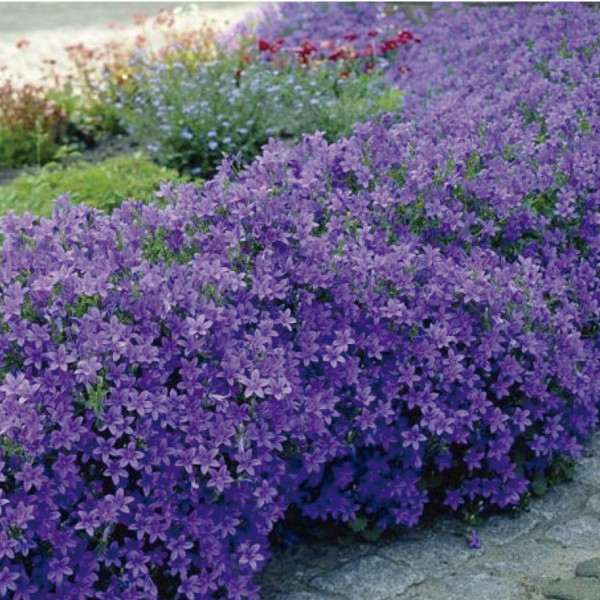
<point>190,118</point>
<point>42,123</point>
<point>103,185</point>
<point>31,125</point>
<point>87,119</point>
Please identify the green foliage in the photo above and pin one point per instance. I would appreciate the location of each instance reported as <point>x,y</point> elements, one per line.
<point>31,125</point>
<point>359,524</point>
<point>39,124</point>
<point>87,119</point>
<point>20,147</point>
<point>104,185</point>
<point>83,304</point>
<point>190,117</point>
<point>539,485</point>
<point>95,396</point>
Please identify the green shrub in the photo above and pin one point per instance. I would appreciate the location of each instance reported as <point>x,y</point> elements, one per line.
<point>87,119</point>
<point>20,146</point>
<point>189,119</point>
<point>103,185</point>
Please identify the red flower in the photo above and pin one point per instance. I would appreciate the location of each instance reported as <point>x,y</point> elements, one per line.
<point>388,45</point>
<point>305,51</point>
<point>351,37</point>
<point>339,53</point>
<point>404,37</point>
<point>264,46</point>
<point>372,33</point>
<point>308,48</point>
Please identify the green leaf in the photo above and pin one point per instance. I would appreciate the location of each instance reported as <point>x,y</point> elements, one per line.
<point>371,535</point>
<point>95,396</point>
<point>359,524</point>
<point>539,485</point>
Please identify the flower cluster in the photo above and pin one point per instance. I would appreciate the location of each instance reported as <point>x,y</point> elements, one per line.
<point>348,52</point>
<point>406,316</point>
<point>362,35</point>
<point>328,23</point>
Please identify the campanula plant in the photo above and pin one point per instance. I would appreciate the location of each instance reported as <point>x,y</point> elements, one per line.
<point>403,318</point>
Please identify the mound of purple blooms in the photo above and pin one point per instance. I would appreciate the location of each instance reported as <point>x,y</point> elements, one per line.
<point>407,316</point>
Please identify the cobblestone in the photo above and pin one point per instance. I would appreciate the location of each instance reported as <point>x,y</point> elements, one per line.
<point>371,577</point>
<point>581,532</point>
<point>589,568</point>
<point>581,588</point>
<point>503,530</point>
<point>438,553</point>
<point>593,504</point>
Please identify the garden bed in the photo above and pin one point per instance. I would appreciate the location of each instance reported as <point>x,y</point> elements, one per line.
<point>397,312</point>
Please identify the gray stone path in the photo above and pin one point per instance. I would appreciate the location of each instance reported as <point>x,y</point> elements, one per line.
<point>550,552</point>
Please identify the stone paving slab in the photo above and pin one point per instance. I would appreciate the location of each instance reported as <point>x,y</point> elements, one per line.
<point>437,553</point>
<point>588,471</point>
<point>532,561</point>
<point>580,532</point>
<point>559,501</point>
<point>593,504</point>
<point>589,568</point>
<point>575,589</point>
<point>503,530</point>
<point>370,577</point>
<point>301,596</point>
<point>479,585</point>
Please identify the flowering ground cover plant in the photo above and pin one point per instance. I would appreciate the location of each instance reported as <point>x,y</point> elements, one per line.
<point>405,317</point>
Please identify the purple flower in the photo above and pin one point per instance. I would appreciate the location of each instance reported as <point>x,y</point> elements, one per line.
<point>88,521</point>
<point>412,438</point>
<point>250,555</point>
<point>454,499</point>
<point>474,541</point>
<point>255,385</point>
<point>59,569</point>
<point>86,371</point>
<point>220,478</point>
<point>7,580</point>
<point>30,476</point>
